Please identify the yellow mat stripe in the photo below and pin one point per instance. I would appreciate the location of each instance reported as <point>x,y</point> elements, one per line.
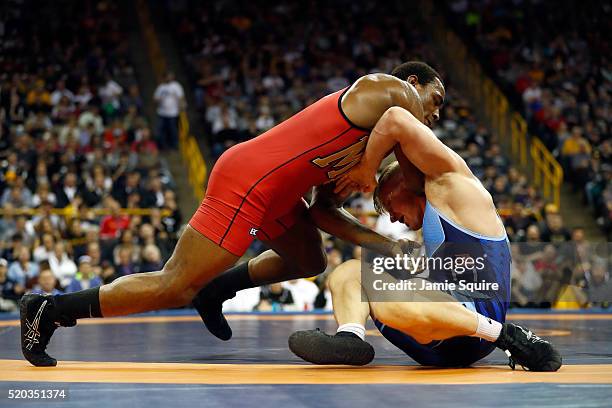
<point>280,317</point>
<point>178,373</point>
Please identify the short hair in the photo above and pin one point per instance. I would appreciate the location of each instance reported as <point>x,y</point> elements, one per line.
<point>424,72</point>
<point>44,266</point>
<point>384,177</point>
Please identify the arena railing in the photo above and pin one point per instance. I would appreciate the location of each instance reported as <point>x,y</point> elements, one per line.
<point>70,212</point>
<point>508,125</point>
<point>188,145</point>
<point>192,157</point>
<point>546,170</point>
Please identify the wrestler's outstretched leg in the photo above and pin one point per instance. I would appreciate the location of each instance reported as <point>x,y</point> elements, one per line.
<point>195,261</point>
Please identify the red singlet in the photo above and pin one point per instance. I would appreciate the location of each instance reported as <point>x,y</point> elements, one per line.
<point>255,189</point>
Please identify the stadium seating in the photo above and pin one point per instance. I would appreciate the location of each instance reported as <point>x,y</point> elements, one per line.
<point>84,191</point>
<point>558,73</point>
<point>248,74</point>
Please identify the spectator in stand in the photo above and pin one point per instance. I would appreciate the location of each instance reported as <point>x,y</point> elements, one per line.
<point>304,293</point>
<point>46,284</point>
<point>112,225</point>
<point>10,290</point>
<point>23,231</point>
<point>170,100</point>
<point>96,188</point>
<point>153,196</point>
<point>597,284</point>
<point>576,155</point>
<point>547,266</point>
<point>583,247</point>
<point>526,283</point>
<point>94,252</point>
<point>44,251</point>
<point>146,235</point>
<point>11,250</point>
<point>76,237</point>
<point>91,119</point>
<point>519,220</point>
<point>264,121</point>
<point>22,270</point>
<point>127,241</point>
<point>39,99</point>
<point>125,264</point>
<point>62,265</point>
<point>151,259</point>
<point>43,195</point>
<point>18,195</point>
<point>85,277</point>
<point>114,136</point>
<point>274,297</point>
<point>63,111</point>
<point>61,92</point>
<point>110,94</point>
<point>67,193</point>
<point>553,230</point>
<point>126,185</point>
<point>144,144</point>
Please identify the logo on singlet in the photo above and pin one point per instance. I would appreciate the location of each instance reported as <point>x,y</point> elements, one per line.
<point>253,232</point>
<point>342,160</point>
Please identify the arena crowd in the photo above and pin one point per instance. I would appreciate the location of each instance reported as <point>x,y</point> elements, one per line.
<point>76,148</point>
<point>248,74</point>
<point>556,66</point>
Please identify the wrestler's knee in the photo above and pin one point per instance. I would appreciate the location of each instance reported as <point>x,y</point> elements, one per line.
<point>177,289</point>
<point>345,273</point>
<point>314,263</point>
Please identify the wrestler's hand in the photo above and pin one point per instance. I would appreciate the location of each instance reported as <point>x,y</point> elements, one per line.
<point>406,246</point>
<point>413,249</point>
<point>360,177</point>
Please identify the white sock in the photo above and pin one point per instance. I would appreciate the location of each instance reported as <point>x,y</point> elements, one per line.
<point>355,328</point>
<point>488,328</point>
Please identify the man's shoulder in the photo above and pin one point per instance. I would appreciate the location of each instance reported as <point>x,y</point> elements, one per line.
<point>376,82</point>
<point>176,85</point>
<point>455,180</point>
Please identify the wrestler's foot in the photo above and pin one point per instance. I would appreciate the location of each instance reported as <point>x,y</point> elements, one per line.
<point>37,326</point>
<point>210,308</point>
<point>318,347</point>
<point>525,348</point>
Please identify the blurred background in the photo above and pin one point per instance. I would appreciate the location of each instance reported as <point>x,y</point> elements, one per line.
<point>113,112</point>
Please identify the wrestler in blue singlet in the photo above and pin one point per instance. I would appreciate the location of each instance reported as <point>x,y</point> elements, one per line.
<point>443,238</point>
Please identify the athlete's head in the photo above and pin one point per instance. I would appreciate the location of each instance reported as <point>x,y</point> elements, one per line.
<point>428,84</point>
<point>401,194</point>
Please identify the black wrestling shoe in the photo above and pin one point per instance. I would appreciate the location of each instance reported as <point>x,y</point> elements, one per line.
<point>37,327</point>
<point>210,309</point>
<point>523,347</point>
<point>318,347</point>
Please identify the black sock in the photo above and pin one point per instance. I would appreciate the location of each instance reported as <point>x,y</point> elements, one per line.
<point>226,285</point>
<point>78,305</point>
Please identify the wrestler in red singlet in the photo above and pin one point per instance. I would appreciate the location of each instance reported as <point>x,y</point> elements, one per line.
<point>255,189</point>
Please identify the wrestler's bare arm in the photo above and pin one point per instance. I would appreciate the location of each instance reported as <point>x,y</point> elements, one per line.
<point>327,213</point>
<point>398,127</point>
<point>371,95</point>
